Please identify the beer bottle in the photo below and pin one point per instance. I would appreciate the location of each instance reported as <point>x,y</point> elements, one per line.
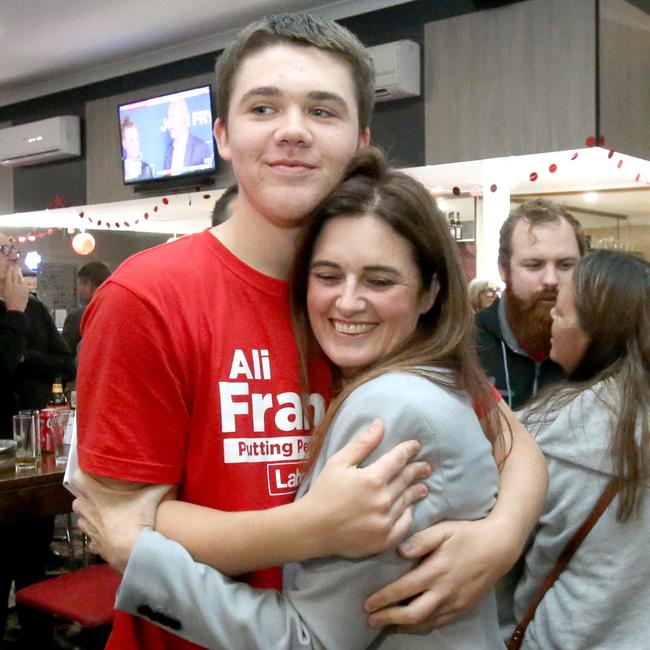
<point>57,401</point>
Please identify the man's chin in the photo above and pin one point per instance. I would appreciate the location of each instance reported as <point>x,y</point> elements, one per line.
<point>530,322</point>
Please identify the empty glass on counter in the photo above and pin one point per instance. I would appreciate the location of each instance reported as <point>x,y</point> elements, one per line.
<point>27,440</point>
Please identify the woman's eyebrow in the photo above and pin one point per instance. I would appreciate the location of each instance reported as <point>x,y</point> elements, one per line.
<point>381,268</point>
<point>327,263</point>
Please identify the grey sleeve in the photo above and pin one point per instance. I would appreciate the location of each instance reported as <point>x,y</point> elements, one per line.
<point>323,606</point>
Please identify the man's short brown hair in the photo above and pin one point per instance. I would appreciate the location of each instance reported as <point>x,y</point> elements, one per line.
<point>302,30</point>
<point>94,273</point>
<point>536,212</point>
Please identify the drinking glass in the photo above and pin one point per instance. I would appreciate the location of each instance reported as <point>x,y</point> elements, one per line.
<point>61,424</point>
<point>26,438</point>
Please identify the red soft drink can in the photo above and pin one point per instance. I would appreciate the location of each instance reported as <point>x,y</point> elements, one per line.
<point>47,436</point>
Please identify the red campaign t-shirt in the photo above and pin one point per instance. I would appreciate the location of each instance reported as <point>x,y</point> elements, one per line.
<point>188,374</point>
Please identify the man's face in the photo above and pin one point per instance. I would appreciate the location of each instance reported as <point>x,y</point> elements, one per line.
<point>178,119</point>
<point>292,128</point>
<point>85,289</point>
<point>543,259</point>
<point>8,257</point>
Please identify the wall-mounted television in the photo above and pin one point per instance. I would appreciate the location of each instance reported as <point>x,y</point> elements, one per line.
<point>167,136</point>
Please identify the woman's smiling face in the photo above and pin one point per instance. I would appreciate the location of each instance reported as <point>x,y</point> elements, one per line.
<point>364,294</point>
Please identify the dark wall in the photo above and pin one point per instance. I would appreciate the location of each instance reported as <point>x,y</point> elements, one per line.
<point>398,126</point>
<point>38,186</point>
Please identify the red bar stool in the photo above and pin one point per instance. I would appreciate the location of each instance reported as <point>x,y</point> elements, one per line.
<point>86,596</point>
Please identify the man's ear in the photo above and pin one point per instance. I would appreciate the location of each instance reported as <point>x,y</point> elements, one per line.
<point>428,298</point>
<point>504,272</point>
<point>221,138</point>
<point>364,137</point>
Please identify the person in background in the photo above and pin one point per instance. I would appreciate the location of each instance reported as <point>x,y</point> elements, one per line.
<point>593,428</point>
<point>91,275</point>
<point>184,149</point>
<point>224,205</point>
<point>135,168</point>
<point>32,355</point>
<point>540,244</point>
<point>482,294</point>
<point>207,379</point>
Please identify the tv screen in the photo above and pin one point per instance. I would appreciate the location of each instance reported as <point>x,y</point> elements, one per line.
<point>169,136</point>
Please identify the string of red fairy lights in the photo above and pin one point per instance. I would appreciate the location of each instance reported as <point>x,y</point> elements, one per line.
<point>118,224</point>
<point>33,235</point>
<point>533,176</point>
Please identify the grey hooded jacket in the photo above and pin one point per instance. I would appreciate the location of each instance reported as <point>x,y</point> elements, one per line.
<point>602,600</point>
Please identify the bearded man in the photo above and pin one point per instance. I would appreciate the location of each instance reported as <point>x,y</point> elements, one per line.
<point>540,243</point>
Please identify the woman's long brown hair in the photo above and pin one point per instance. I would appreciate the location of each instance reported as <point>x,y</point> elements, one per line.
<point>612,298</point>
<point>442,347</point>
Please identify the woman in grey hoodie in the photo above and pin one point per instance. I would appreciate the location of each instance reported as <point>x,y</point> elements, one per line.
<point>591,429</point>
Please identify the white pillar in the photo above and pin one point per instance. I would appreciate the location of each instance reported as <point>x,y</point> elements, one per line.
<point>497,182</point>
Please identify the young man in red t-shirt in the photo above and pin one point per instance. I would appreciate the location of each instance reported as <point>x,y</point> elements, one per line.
<point>200,390</point>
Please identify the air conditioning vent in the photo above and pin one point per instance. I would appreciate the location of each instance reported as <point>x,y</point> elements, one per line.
<point>37,142</point>
<point>397,70</point>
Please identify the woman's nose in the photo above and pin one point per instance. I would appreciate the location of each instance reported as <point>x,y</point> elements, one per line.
<point>350,300</point>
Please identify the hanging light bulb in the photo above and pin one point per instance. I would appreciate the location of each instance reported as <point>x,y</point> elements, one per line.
<point>83,243</point>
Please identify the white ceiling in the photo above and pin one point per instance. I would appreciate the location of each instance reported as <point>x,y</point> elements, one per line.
<point>53,45</point>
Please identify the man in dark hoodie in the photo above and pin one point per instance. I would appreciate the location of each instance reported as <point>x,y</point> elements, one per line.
<point>32,355</point>
<point>540,243</point>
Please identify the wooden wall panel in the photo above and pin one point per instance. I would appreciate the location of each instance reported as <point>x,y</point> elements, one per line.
<point>6,185</point>
<point>625,77</point>
<point>514,80</point>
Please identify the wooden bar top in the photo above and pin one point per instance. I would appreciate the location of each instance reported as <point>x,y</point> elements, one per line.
<point>34,492</point>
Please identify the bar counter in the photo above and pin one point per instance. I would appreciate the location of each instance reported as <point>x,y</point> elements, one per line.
<point>34,492</point>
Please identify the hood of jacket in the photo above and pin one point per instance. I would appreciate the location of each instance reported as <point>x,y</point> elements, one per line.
<point>581,431</point>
